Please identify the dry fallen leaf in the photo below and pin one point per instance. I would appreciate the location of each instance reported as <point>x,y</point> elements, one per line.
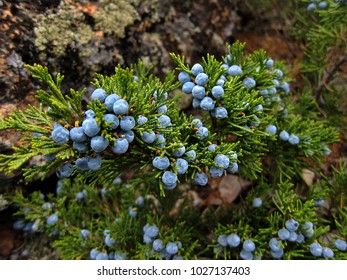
<point>231,186</point>
<point>308,176</point>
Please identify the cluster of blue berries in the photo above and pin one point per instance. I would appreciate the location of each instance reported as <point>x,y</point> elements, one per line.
<point>200,130</point>
<point>289,233</point>
<point>284,135</point>
<point>88,136</point>
<point>292,232</point>
<point>121,124</point>
<point>321,5</point>
<point>269,94</point>
<point>37,225</point>
<point>24,226</point>
<point>109,241</point>
<point>318,251</point>
<point>234,241</point>
<point>103,255</point>
<point>235,70</point>
<point>196,85</point>
<point>181,159</point>
<point>222,162</point>
<point>272,94</point>
<point>168,251</point>
<point>181,165</point>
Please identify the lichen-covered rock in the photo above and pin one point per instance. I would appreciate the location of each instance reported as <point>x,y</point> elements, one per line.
<point>114,16</point>
<point>55,31</point>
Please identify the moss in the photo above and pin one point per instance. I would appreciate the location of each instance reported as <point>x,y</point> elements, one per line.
<point>114,16</point>
<point>55,31</point>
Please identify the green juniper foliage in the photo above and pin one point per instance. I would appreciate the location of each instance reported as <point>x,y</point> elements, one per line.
<point>132,165</point>
<point>323,28</point>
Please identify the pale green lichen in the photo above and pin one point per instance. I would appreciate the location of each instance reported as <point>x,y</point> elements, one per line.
<point>3,203</point>
<point>114,16</point>
<point>55,31</point>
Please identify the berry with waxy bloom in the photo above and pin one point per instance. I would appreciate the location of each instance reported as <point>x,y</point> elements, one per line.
<point>157,245</point>
<point>201,79</point>
<point>235,70</point>
<point>188,87</point>
<point>112,120</point>
<point>222,240</point>
<point>328,253</point>
<point>222,160</point>
<point>171,248</point>
<point>207,103</point>
<point>271,129</point>
<point>99,94</point>
<point>191,155</point>
<point>161,163</point>
<point>121,146</point>
<point>182,166</point>
<point>293,139</point>
<point>316,249</point>
<point>233,240</point>
<point>127,123</point>
<point>52,219</point>
<point>197,69</point>
<point>201,179</point>
<point>216,172</point>
<point>283,234</point>
<point>292,225</point>
<point>90,127</point>
<point>60,135</point>
<point>110,100</point>
<point>284,135</point>
<point>220,113</point>
<point>248,245</point>
<point>148,137</point>
<point>183,77</point>
<point>169,178</point>
<point>65,171</point>
<point>249,83</point>
<point>257,202</point>
<point>120,107</point>
<point>99,143</point>
<point>341,245</point>
<point>198,92</point>
<point>77,134</point>
<point>94,163</point>
<point>202,132</point>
